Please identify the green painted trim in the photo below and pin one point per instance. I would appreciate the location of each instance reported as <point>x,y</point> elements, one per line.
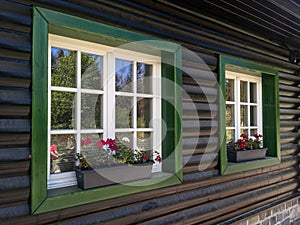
<point>79,28</point>
<point>271,120</point>
<point>47,21</point>
<point>39,110</point>
<point>104,193</point>
<point>250,165</point>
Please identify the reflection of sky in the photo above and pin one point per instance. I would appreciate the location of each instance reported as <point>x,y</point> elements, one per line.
<point>54,51</point>
<point>123,72</point>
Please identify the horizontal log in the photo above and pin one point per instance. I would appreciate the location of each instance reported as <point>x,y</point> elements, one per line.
<point>11,183</point>
<point>14,154</point>
<point>17,97</point>
<point>15,125</point>
<point>9,169</point>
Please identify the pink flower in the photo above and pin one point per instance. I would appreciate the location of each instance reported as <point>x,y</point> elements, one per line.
<point>82,142</point>
<point>88,141</point>
<point>100,143</point>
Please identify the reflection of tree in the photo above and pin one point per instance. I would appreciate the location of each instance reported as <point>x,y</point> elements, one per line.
<point>123,112</point>
<point>124,75</point>
<point>63,74</point>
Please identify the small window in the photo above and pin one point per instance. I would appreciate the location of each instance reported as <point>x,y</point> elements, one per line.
<point>243,105</point>
<point>249,104</point>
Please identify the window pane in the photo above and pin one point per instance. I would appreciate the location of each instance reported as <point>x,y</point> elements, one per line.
<point>91,71</point>
<point>243,131</point>
<point>144,112</point>
<point>95,156</point>
<point>230,116</point>
<point>144,78</point>
<point>124,75</point>
<point>244,115</point>
<point>253,131</point>
<point>91,111</point>
<point>62,110</point>
<point>253,116</point>
<point>144,141</point>
<point>62,153</point>
<point>230,135</point>
<point>124,116</point>
<point>125,138</point>
<point>243,91</point>
<point>63,67</point>
<point>229,89</point>
<point>253,92</point>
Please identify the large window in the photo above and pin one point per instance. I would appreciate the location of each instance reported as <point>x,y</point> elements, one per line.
<point>249,103</point>
<point>85,89</point>
<point>95,93</point>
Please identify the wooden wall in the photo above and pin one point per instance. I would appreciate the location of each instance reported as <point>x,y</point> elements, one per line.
<point>205,196</point>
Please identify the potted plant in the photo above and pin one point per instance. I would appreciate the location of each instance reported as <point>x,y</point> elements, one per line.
<point>246,148</point>
<point>109,161</point>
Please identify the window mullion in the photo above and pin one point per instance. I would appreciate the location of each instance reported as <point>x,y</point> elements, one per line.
<point>109,90</point>
<point>135,104</point>
<point>237,106</point>
<point>78,101</point>
<point>248,108</point>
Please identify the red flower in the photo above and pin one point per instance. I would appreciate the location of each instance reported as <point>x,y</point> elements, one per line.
<point>88,141</point>
<point>241,143</point>
<point>146,157</point>
<point>100,143</point>
<point>114,148</point>
<point>245,136</point>
<point>258,136</point>
<point>158,159</point>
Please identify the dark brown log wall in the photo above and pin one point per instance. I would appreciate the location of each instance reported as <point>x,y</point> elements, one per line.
<point>205,196</point>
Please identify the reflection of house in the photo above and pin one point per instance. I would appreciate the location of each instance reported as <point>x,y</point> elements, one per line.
<point>255,39</point>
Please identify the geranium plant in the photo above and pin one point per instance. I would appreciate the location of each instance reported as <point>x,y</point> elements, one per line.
<point>111,152</point>
<point>246,143</point>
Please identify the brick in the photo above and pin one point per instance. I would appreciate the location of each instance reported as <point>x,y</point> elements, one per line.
<point>282,207</point>
<point>279,217</point>
<point>273,220</point>
<point>275,210</point>
<point>267,222</point>
<point>286,222</point>
<point>253,220</point>
<point>289,204</point>
<point>262,216</point>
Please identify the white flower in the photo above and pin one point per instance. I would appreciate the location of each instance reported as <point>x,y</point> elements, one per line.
<point>125,139</point>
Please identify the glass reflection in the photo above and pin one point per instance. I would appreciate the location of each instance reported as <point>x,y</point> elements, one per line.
<point>229,89</point>
<point>144,78</point>
<point>63,67</point>
<point>243,90</point>
<point>124,75</point>
<point>62,152</point>
<point>230,115</point>
<point>91,111</point>
<point>144,109</point>
<point>62,110</point>
<point>244,115</point>
<point>230,135</point>
<point>91,71</point>
<point>144,141</point>
<point>253,92</point>
<point>123,112</point>
<point>253,116</point>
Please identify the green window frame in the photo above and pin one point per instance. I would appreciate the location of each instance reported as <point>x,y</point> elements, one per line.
<point>48,21</point>
<point>270,115</point>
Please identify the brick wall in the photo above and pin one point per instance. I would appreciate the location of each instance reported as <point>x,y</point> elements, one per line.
<point>287,213</point>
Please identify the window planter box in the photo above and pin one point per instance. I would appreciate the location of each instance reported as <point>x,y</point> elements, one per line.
<point>106,176</point>
<point>246,155</point>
